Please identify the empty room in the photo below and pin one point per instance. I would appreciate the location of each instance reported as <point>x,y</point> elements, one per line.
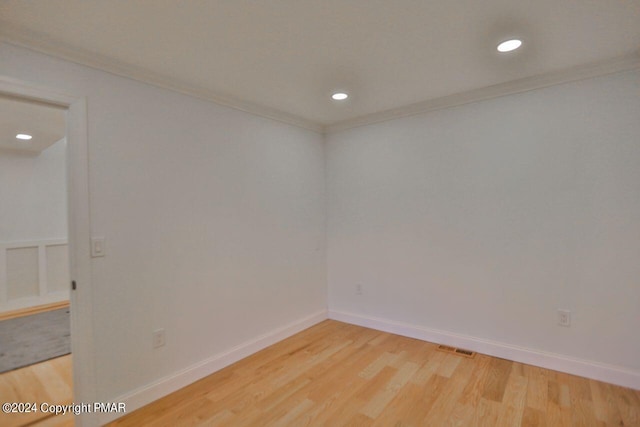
<point>320,213</point>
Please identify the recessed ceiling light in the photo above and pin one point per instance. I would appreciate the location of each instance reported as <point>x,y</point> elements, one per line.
<point>23,136</point>
<point>509,45</point>
<point>339,96</point>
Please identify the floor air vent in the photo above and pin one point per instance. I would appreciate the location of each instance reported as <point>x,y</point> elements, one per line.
<point>458,351</point>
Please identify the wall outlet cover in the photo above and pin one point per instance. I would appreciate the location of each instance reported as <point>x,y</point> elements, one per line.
<point>564,318</point>
<point>158,338</point>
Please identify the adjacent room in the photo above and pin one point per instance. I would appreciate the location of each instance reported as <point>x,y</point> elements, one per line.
<point>330,213</point>
<point>35,324</point>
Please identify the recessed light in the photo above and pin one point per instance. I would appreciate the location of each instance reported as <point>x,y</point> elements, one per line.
<point>23,136</point>
<point>509,45</point>
<point>339,96</point>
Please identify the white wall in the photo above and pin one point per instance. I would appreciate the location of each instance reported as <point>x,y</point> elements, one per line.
<point>484,219</point>
<point>480,220</point>
<point>214,221</point>
<point>34,266</point>
<point>33,195</point>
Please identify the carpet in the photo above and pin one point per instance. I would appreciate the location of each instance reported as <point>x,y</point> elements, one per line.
<point>34,338</point>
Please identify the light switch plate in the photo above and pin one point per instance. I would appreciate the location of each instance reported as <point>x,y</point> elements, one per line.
<point>98,247</point>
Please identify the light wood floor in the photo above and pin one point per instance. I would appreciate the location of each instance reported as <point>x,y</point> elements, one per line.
<point>50,381</point>
<point>335,374</point>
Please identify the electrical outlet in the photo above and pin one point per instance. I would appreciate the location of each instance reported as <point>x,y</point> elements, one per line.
<point>564,318</point>
<point>358,289</point>
<point>158,338</point>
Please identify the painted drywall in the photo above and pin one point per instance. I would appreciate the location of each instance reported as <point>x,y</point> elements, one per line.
<point>484,219</point>
<point>213,218</point>
<point>33,195</point>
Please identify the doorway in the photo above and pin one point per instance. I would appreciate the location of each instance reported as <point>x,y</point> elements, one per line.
<point>47,274</point>
<point>35,326</point>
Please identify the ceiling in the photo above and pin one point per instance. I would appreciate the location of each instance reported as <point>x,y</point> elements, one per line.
<point>44,123</point>
<point>285,57</point>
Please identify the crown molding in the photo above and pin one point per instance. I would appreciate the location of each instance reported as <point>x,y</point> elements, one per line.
<point>581,72</point>
<point>29,39</point>
<point>20,36</point>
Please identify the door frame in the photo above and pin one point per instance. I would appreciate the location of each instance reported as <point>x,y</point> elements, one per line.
<point>79,226</point>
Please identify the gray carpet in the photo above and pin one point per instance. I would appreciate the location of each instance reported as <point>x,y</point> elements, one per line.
<point>34,338</point>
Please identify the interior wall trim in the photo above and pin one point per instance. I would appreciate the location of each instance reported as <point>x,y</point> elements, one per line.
<point>557,362</point>
<point>166,385</point>
<point>19,36</point>
<point>81,300</point>
<point>610,66</point>
<point>15,35</point>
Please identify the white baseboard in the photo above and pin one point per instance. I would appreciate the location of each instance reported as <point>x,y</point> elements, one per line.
<point>164,386</point>
<point>557,362</point>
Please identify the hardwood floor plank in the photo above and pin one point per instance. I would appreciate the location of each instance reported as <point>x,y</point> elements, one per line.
<point>582,414</point>
<point>499,372</point>
<point>54,383</point>
<point>537,388</point>
<point>467,405</point>
<point>45,382</point>
<point>429,368</point>
<point>487,413</point>
<point>429,396</point>
<point>384,360</point>
<point>219,419</point>
<point>376,383</point>
<point>359,420</point>
<point>473,390</point>
<point>64,367</point>
<point>283,393</point>
<point>553,392</point>
<point>565,394</point>
<point>335,374</point>
<point>291,415</point>
<point>403,403</point>
<point>580,388</point>
<point>604,404</point>
<point>332,399</point>
<point>343,372</point>
<point>533,418</point>
<point>514,400</point>
<point>376,405</point>
<point>451,393</point>
<point>628,404</point>
<point>557,393</point>
<point>448,365</point>
<point>65,420</point>
<point>345,401</point>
